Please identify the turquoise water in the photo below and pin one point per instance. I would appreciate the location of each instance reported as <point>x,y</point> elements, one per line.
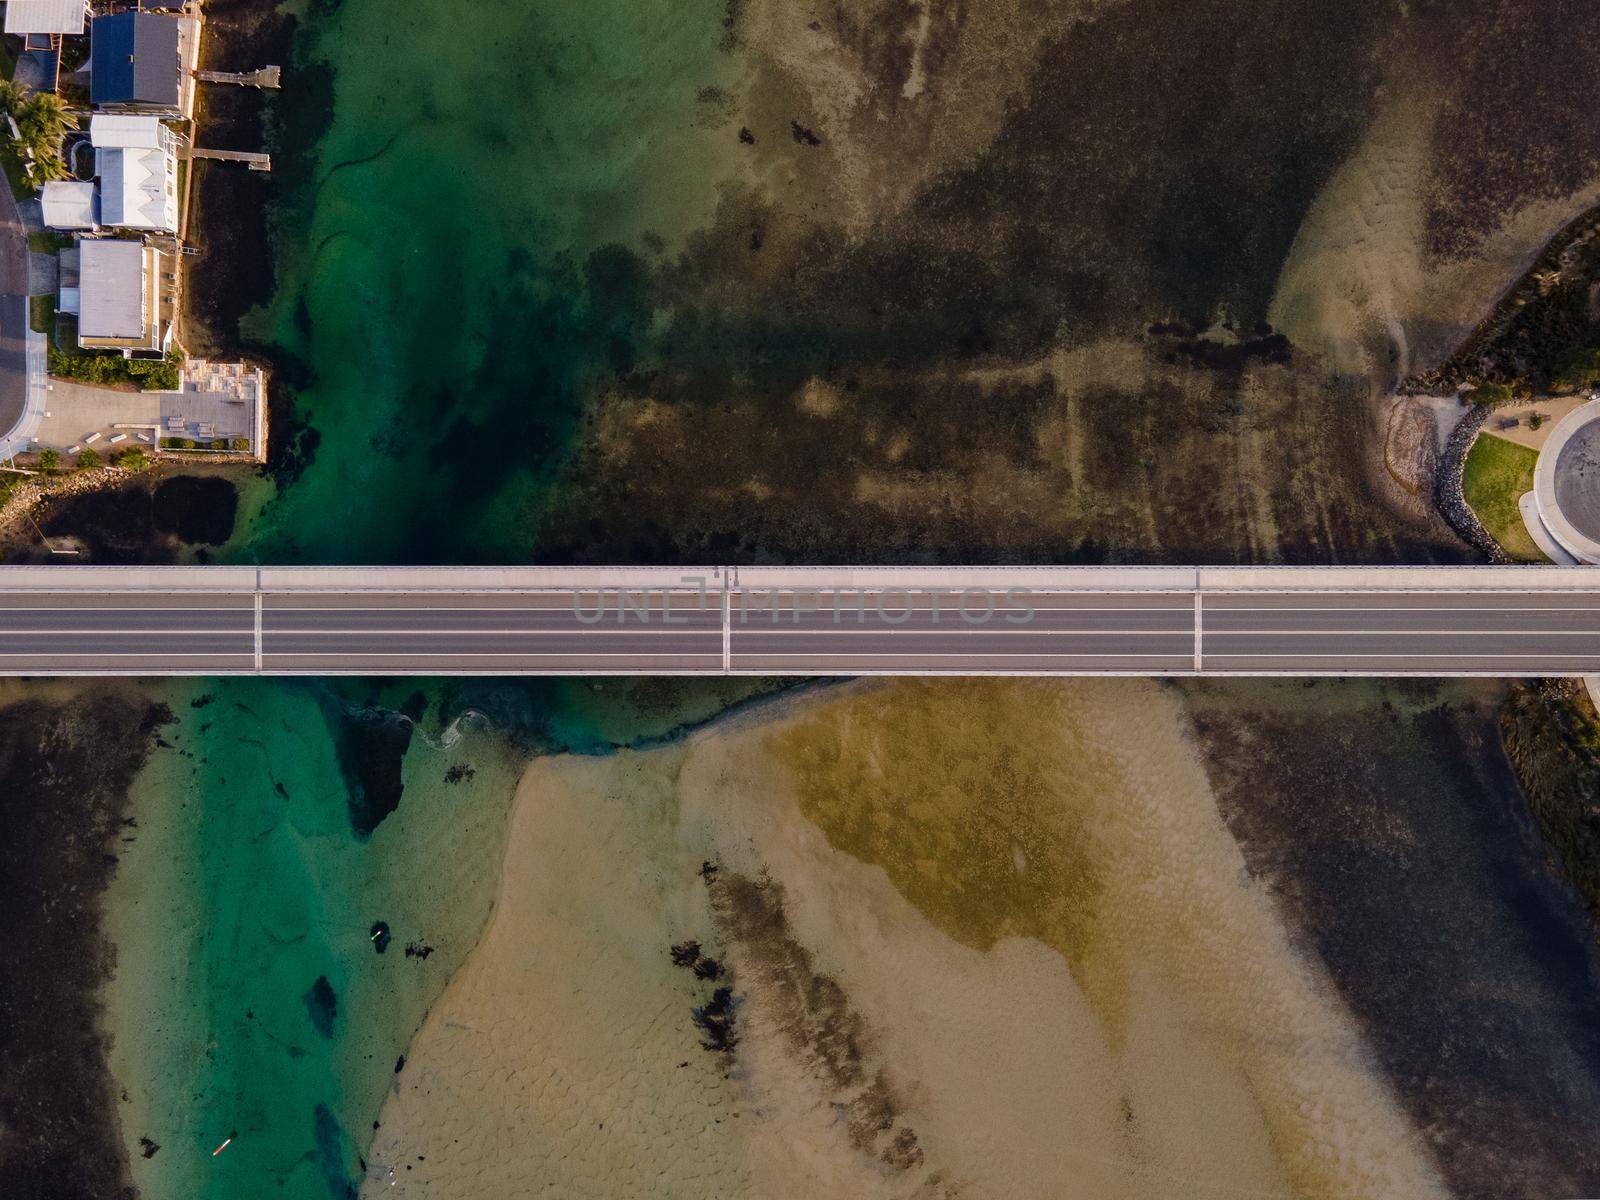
<point>439,291</point>
<point>449,276</point>
<point>249,999</point>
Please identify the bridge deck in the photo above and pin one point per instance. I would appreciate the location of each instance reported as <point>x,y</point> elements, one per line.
<point>800,621</point>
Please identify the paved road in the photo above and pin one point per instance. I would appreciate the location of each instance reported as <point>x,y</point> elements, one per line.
<point>13,315</point>
<point>564,631</point>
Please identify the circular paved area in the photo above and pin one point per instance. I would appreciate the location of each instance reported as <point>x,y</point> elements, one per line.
<point>1578,480</point>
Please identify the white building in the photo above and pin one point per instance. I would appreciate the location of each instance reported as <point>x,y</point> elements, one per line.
<point>116,290</point>
<point>46,16</point>
<point>69,204</point>
<point>136,159</point>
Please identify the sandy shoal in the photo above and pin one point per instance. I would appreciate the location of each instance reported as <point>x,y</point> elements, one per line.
<point>987,938</point>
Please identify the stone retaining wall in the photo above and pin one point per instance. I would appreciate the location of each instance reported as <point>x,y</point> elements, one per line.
<point>1447,493</point>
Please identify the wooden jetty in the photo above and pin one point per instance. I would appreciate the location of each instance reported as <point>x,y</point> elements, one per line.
<point>266,77</point>
<point>255,160</point>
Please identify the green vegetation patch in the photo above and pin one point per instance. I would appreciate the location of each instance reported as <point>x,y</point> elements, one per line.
<point>42,120</point>
<point>1552,738</point>
<point>112,370</point>
<point>16,172</point>
<point>131,459</point>
<point>48,241</point>
<point>1496,475</point>
<point>1486,395</point>
<point>42,314</point>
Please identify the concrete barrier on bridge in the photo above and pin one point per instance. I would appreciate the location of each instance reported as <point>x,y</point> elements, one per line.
<point>862,578</point>
<point>126,579</point>
<point>487,579</point>
<point>1381,579</point>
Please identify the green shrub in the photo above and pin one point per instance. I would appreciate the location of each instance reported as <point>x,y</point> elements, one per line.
<point>154,376</point>
<point>112,369</point>
<point>1535,420</point>
<point>1578,368</point>
<point>219,443</point>
<point>242,445</point>
<point>49,460</point>
<point>132,459</point>
<point>1486,395</point>
<point>89,460</point>
<point>42,314</point>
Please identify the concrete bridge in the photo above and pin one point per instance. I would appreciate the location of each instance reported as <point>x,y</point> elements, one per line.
<point>1491,621</point>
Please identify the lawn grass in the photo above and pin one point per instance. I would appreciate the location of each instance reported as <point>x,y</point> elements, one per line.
<point>48,241</point>
<point>42,315</point>
<point>1496,474</point>
<point>16,173</point>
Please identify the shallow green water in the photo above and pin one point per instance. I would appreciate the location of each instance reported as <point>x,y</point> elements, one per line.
<point>252,875</point>
<point>245,885</point>
<point>438,302</point>
<point>434,280</point>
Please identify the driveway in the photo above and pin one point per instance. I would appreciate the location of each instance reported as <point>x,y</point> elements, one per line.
<point>13,315</point>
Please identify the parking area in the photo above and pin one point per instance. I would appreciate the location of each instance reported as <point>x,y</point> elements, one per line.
<point>210,406</point>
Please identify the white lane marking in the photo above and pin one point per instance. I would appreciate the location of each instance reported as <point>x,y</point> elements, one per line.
<point>486,653</point>
<point>161,654</point>
<point>124,608</point>
<point>1197,631</point>
<point>1350,633</point>
<point>1185,629</point>
<point>279,635</point>
<point>1356,609</point>
<point>1360,654</point>
<point>916,655</point>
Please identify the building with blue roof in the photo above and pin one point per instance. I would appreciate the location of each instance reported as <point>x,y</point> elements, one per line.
<point>134,64</point>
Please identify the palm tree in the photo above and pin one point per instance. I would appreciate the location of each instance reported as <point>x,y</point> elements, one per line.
<point>45,167</point>
<point>11,96</point>
<point>42,119</point>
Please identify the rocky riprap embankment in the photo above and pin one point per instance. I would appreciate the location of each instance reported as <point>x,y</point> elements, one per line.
<point>1447,495</point>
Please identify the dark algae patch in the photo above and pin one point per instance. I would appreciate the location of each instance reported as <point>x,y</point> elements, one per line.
<point>146,519</point>
<point>1553,738</point>
<point>64,772</point>
<point>198,509</point>
<point>372,744</point>
<point>228,221</point>
<point>1387,824</point>
<point>331,1154</point>
<point>812,1013</point>
<point>322,1006</point>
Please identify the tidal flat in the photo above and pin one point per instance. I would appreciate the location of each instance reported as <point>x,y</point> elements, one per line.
<point>957,937</point>
<point>1018,938</point>
<point>1077,282</point>
<point>652,281</point>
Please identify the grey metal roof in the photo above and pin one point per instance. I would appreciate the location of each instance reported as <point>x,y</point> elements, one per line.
<point>133,59</point>
<point>69,204</point>
<point>45,16</point>
<point>111,284</point>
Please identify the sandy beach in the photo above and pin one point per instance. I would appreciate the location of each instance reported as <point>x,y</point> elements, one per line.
<point>980,938</point>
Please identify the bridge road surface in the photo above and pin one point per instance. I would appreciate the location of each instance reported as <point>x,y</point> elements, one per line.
<point>565,632</point>
<point>800,621</point>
